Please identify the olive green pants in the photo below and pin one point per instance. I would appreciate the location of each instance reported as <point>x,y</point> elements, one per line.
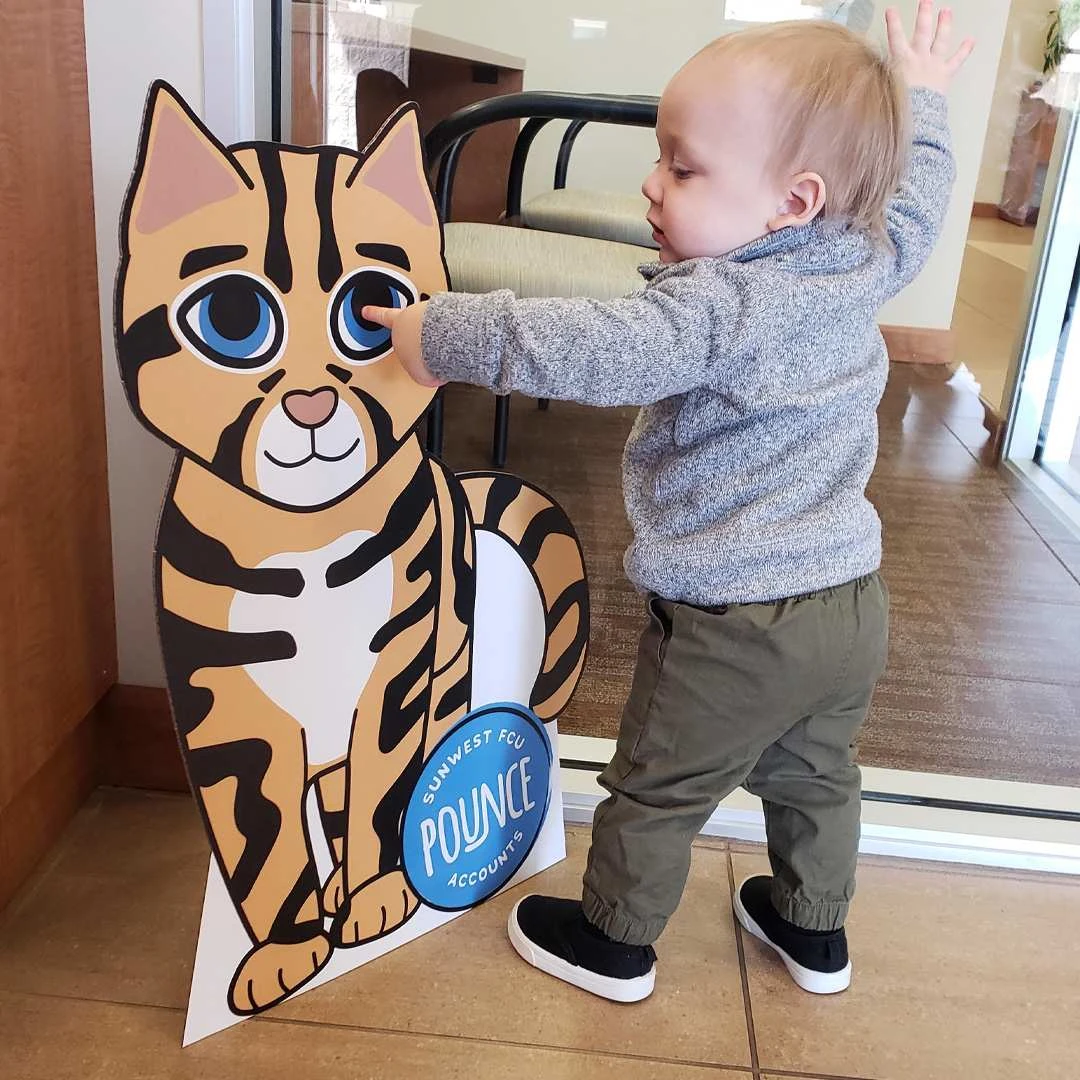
<point>769,697</point>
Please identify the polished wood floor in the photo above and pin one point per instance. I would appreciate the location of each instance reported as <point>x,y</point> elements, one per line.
<point>984,672</point>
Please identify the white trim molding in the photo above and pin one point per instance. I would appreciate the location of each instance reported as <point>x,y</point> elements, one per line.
<point>229,50</point>
<point>903,831</point>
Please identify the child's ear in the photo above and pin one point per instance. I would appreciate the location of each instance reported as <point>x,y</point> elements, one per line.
<point>805,199</point>
<point>393,165</point>
<point>181,167</point>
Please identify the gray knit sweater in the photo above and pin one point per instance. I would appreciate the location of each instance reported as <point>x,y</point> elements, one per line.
<point>760,373</point>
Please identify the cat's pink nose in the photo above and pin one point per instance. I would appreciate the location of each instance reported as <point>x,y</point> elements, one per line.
<point>312,408</point>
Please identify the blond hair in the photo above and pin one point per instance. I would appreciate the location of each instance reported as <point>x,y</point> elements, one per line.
<point>842,112</point>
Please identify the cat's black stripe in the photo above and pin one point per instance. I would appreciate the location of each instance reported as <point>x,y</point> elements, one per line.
<point>148,338</point>
<point>501,494</point>
<point>456,697</point>
<point>205,257</point>
<point>271,381</point>
<point>397,719</point>
<point>329,253</point>
<point>551,520</point>
<point>551,681</point>
<point>464,574</point>
<point>228,460</point>
<point>388,253</point>
<point>204,558</point>
<point>388,814</point>
<point>419,609</point>
<point>287,928</point>
<point>574,593</point>
<point>340,373</point>
<point>277,262</point>
<point>257,819</point>
<point>381,424</point>
<point>334,822</point>
<point>403,520</point>
<point>189,647</point>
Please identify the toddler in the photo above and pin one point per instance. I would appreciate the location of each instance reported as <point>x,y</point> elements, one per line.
<point>785,218</point>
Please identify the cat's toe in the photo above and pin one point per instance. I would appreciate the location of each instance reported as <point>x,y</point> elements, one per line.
<point>270,972</point>
<point>375,909</point>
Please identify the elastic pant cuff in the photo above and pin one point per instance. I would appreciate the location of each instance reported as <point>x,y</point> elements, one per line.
<point>618,926</point>
<point>818,915</point>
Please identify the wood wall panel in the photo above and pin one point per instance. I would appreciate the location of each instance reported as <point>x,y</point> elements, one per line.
<point>138,742</point>
<point>57,635</point>
<point>37,814</point>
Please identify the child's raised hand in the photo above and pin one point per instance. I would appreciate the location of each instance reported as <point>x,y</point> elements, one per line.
<point>927,60</point>
<point>405,325</point>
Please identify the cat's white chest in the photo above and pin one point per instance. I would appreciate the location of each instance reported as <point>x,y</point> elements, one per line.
<point>332,628</point>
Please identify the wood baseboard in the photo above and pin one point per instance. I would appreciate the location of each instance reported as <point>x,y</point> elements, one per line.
<point>984,210</point>
<point>912,345</point>
<point>138,741</point>
<point>40,810</point>
<point>995,424</point>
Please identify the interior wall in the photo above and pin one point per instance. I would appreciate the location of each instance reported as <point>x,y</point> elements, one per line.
<point>129,43</point>
<point>1020,65</point>
<point>57,641</point>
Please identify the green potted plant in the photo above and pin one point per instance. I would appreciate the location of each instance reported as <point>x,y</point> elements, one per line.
<point>1064,22</point>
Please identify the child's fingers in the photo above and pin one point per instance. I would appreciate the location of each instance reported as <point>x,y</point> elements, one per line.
<point>898,43</point>
<point>943,37</point>
<point>381,316</point>
<point>959,58</point>
<point>924,27</point>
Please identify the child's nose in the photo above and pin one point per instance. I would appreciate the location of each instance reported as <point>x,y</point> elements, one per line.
<point>650,187</point>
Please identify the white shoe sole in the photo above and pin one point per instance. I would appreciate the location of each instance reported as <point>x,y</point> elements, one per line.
<point>814,982</point>
<point>624,991</point>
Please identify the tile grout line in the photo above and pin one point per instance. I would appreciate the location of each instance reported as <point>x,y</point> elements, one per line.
<point>804,1075</point>
<point>1034,528</point>
<point>755,1062</point>
<point>513,1044</point>
<point>289,1021</point>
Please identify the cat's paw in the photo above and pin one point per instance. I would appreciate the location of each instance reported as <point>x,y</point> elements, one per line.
<point>333,893</point>
<point>375,909</point>
<point>270,972</point>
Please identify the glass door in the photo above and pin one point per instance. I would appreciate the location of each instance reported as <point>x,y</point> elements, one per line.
<point>1044,440</point>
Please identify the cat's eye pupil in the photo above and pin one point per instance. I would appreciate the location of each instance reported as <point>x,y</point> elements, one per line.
<point>233,321</point>
<point>357,340</point>
<point>377,292</point>
<point>235,310</point>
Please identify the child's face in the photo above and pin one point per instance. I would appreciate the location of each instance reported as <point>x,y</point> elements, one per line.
<point>712,190</point>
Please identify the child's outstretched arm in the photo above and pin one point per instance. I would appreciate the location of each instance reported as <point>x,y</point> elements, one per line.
<point>633,351</point>
<point>928,65</point>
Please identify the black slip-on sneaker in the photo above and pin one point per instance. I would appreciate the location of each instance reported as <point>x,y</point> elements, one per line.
<point>554,936</point>
<point>818,962</point>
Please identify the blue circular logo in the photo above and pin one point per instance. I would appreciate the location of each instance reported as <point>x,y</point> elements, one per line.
<point>477,808</point>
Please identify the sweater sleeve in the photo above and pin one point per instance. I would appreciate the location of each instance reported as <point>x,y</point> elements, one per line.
<point>917,211</point>
<point>637,350</point>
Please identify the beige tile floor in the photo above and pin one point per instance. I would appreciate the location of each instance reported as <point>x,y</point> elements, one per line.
<point>989,305</point>
<point>960,975</point>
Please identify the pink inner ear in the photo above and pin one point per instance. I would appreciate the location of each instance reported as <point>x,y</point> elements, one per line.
<point>395,172</point>
<point>183,173</point>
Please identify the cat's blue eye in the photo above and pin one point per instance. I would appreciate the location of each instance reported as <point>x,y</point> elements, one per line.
<point>233,320</point>
<point>357,340</point>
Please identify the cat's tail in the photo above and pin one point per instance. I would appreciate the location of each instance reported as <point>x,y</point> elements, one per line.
<point>542,535</point>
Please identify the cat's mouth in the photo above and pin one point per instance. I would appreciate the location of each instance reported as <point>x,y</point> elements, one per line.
<point>313,456</point>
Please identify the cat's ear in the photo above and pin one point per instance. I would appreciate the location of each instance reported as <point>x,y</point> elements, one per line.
<point>393,164</point>
<point>181,167</point>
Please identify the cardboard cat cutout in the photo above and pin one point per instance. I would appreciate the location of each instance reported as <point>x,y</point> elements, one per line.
<point>362,648</point>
